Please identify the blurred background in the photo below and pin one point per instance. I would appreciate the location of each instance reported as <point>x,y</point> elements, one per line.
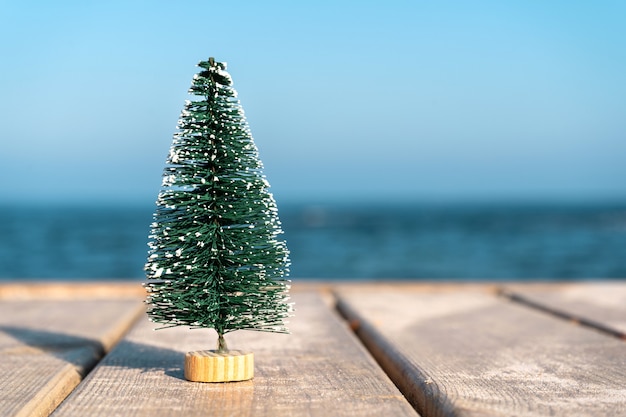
<point>402,139</point>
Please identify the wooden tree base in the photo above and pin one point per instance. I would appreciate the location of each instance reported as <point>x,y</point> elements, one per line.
<point>211,366</point>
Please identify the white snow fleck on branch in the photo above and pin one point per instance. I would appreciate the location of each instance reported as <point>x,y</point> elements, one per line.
<point>173,156</point>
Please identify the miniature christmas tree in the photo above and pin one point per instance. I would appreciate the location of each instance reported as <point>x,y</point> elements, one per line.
<point>216,260</point>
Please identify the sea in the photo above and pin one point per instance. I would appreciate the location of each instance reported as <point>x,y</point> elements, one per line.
<point>342,241</point>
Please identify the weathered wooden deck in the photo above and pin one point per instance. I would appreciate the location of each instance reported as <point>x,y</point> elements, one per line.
<point>355,350</point>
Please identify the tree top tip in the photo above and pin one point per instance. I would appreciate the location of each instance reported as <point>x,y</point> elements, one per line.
<point>211,63</point>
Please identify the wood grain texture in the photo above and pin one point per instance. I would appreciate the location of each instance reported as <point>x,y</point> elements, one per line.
<point>476,354</point>
<point>318,370</point>
<point>214,366</point>
<point>601,305</point>
<point>46,347</point>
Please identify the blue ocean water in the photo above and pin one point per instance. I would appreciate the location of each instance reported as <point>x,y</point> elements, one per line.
<point>342,241</point>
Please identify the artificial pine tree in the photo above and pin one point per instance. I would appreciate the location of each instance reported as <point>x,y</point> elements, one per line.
<point>216,259</point>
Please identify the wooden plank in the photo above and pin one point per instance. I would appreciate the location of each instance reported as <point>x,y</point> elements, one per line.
<point>476,354</point>
<point>71,290</point>
<point>46,347</point>
<point>318,370</point>
<point>601,305</point>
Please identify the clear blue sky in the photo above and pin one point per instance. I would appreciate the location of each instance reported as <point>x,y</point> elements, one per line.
<point>376,100</point>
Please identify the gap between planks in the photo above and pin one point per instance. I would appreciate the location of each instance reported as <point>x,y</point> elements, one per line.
<point>52,345</point>
<point>525,295</point>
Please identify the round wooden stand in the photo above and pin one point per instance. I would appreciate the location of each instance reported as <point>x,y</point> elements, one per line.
<point>211,366</point>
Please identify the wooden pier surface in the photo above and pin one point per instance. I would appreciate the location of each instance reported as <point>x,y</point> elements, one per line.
<point>356,349</point>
